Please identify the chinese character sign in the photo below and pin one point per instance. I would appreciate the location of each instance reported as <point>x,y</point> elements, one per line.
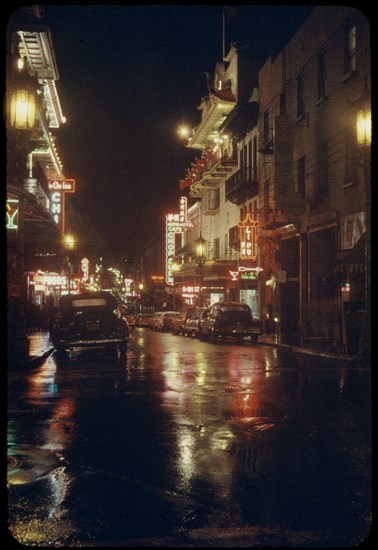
<point>174,223</point>
<point>248,230</point>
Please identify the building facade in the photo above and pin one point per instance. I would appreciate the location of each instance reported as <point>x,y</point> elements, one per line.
<point>280,161</point>
<point>35,182</point>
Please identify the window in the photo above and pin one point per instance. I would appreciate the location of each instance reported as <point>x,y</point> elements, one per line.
<point>216,248</point>
<point>350,164</point>
<point>283,102</point>
<point>254,172</point>
<point>302,177</point>
<point>266,200</point>
<point>322,180</point>
<point>300,95</point>
<point>350,63</point>
<point>250,161</point>
<point>322,74</point>
<point>266,128</point>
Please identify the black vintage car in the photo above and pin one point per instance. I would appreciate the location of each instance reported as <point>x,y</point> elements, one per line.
<point>229,320</point>
<point>89,319</point>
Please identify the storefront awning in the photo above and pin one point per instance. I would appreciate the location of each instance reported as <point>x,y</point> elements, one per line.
<point>38,222</point>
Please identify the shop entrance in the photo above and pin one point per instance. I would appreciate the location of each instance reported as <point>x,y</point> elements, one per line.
<point>249,296</point>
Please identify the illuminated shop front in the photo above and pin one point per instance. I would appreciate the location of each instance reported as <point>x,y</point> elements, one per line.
<point>46,287</point>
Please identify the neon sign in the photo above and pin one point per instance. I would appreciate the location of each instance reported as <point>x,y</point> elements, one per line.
<point>85,269</point>
<point>12,214</point>
<point>248,234</point>
<point>174,223</point>
<point>59,186</point>
<point>246,273</point>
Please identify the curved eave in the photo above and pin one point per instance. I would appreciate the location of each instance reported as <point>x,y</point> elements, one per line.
<point>208,127</point>
<point>54,109</point>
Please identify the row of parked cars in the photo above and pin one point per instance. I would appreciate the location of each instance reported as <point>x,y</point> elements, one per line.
<point>98,319</point>
<point>219,321</point>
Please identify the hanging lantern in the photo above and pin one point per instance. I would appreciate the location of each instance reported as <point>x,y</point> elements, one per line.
<point>21,101</point>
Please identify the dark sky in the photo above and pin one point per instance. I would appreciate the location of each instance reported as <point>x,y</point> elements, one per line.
<point>129,75</point>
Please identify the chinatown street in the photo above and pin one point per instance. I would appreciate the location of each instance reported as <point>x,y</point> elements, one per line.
<point>186,443</point>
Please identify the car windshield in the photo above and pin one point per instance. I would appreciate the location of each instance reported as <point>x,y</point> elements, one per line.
<point>236,307</point>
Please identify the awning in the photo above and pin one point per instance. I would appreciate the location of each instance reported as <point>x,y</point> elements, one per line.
<point>353,260</point>
<point>38,222</point>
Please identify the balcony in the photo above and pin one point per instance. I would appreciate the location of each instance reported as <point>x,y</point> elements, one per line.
<point>241,186</point>
<point>265,142</point>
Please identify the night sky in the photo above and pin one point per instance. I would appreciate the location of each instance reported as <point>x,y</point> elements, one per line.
<point>129,76</point>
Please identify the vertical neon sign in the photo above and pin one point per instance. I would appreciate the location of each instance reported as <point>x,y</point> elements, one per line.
<point>174,223</point>
<point>248,238</point>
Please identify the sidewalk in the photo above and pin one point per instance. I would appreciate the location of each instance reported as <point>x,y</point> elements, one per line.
<point>274,340</point>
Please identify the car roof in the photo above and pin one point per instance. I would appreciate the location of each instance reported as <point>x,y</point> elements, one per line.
<point>66,301</point>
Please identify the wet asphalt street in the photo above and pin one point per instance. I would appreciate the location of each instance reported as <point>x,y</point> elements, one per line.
<point>187,443</point>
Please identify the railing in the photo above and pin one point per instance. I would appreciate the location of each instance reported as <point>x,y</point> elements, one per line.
<point>241,186</point>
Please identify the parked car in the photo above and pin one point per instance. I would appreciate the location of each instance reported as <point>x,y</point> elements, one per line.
<point>229,319</point>
<point>143,319</point>
<point>89,319</point>
<point>192,322</point>
<point>154,320</point>
<point>179,321</point>
<point>164,322</point>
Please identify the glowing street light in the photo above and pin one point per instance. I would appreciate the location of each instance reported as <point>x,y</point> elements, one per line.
<point>200,260</point>
<point>69,243</point>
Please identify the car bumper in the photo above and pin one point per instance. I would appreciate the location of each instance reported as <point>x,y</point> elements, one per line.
<point>81,343</point>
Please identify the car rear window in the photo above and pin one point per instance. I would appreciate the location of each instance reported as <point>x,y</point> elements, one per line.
<point>91,302</point>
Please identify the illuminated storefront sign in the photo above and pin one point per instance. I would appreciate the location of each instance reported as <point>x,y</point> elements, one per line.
<point>85,269</point>
<point>157,278</point>
<point>175,223</point>
<point>48,280</point>
<point>190,289</point>
<point>246,273</point>
<point>12,214</point>
<point>59,186</point>
<point>248,238</point>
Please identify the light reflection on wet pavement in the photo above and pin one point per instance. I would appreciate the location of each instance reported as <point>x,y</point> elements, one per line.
<point>188,443</point>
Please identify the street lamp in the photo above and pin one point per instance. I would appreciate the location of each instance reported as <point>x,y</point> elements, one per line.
<point>21,99</point>
<point>363,140</point>
<point>175,267</point>
<point>200,260</point>
<point>69,243</point>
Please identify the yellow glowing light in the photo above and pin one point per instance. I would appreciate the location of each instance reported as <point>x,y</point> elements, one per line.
<point>183,131</point>
<point>22,109</point>
<point>69,241</point>
<point>364,128</point>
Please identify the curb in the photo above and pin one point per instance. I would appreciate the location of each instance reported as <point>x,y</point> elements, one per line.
<point>307,351</point>
<point>36,360</point>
